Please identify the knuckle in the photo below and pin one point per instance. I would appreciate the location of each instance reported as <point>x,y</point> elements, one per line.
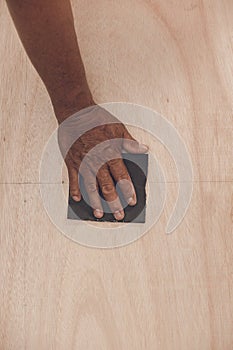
<point>115,206</point>
<point>74,192</point>
<point>122,175</point>
<point>115,161</point>
<point>107,189</point>
<point>74,187</point>
<point>91,187</point>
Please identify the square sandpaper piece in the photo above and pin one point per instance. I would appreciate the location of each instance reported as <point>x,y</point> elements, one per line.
<point>137,165</point>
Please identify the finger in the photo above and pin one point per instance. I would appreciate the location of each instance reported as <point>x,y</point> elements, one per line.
<point>73,183</point>
<point>91,187</point>
<point>131,145</point>
<point>120,174</point>
<point>109,192</point>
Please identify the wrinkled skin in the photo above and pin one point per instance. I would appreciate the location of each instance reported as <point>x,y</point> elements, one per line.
<point>98,151</point>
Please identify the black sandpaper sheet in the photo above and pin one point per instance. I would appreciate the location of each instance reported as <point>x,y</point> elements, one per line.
<point>137,165</point>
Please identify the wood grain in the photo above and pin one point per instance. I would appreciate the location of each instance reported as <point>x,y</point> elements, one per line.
<point>161,292</point>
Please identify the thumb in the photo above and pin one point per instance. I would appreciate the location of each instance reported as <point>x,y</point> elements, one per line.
<point>131,145</point>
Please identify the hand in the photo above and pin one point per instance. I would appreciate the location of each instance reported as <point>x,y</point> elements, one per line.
<point>98,151</point>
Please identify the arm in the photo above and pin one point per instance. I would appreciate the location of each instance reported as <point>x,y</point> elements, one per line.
<point>46,29</point>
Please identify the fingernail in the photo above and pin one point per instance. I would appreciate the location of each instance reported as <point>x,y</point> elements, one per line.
<point>143,148</point>
<point>76,198</point>
<point>98,213</point>
<point>131,201</point>
<point>118,215</point>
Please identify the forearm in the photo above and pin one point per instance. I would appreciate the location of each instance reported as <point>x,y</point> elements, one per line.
<point>46,29</point>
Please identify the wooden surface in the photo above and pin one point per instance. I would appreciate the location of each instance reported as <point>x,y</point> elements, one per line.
<point>161,292</point>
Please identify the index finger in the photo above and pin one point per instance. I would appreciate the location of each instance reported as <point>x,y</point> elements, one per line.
<point>120,174</point>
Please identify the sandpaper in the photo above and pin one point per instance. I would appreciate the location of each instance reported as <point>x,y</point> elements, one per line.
<point>137,165</point>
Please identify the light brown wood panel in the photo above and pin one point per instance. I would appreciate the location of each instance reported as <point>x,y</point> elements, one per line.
<point>12,267</point>
<point>161,292</point>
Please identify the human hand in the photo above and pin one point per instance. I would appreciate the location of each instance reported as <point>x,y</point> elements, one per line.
<point>91,142</point>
